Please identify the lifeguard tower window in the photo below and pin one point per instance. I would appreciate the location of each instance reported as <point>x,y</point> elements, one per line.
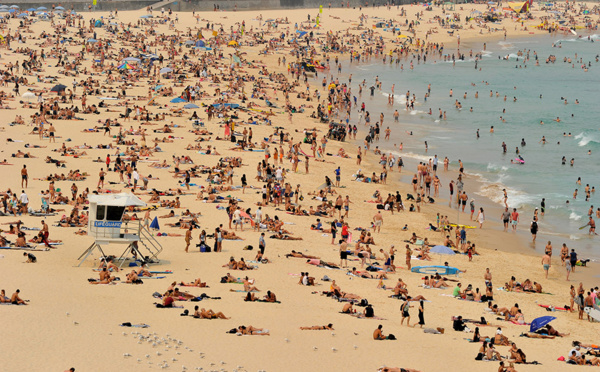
<point>100,212</point>
<point>114,213</point>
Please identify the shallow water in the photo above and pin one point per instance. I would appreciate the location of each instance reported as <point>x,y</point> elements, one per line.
<point>542,175</point>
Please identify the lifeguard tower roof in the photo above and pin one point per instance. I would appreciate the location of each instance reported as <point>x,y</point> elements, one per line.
<point>117,200</point>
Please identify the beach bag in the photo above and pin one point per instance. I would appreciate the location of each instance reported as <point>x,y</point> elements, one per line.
<point>391,336</point>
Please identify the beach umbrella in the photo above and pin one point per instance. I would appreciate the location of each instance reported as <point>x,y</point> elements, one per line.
<point>178,100</point>
<point>3,6</point>
<point>301,33</point>
<point>538,323</point>
<point>190,42</point>
<point>28,95</point>
<point>59,8</point>
<point>42,8</point>
<point>442,249</point>
<point>191,106</point>
<point>92,41</point>
<point>14,7</point>
<point>132,59</point>
<point>58,88</point>
<point>3,10</point>
<point>23,15</point>
<point>154,225</point>
<point>31,10</point>
<point>12,10</point>
<point>146,16</point>
<point>165,70</point>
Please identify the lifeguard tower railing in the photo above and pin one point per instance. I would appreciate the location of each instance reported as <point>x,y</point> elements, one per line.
<point>116,232</point>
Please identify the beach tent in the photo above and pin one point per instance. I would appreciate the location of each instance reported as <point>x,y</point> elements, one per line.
<point>28,95</point>
<point>200,43</point>
<point>98,23</point>
<point>233,43</point>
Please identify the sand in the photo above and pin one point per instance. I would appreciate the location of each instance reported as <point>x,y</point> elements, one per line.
<point>70,323</point>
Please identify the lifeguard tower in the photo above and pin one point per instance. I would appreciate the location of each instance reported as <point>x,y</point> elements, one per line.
<point>106,226</point>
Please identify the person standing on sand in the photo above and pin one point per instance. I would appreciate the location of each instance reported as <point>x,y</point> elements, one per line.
<point>377,222</point>
<point>188,238</point>
<point>408,257</point>
<point>546,264</point>
<point>505,218</point>
<point>24,177</point>
<point>101,178</point>
<point>404,309</point>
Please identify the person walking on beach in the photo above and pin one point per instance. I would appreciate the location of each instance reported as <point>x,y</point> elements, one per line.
<point>514,217</point>
<point>377,222</point>
<point>405,314</point>
<point>573,259</point>
<point>533,229</point>
<point>421,322</point>
<point>480,217</point>
<point>546,263</point>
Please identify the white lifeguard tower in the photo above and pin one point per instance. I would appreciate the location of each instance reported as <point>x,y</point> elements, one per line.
<point>106,226</point>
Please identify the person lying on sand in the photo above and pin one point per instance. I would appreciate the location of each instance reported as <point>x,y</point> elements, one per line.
<point>300,255</point>
<point>396,369</point>
<point>252,331</point>
<point>318,262</point>
<point>366,275</point>
<point>328,327</point>
<point>207,314</point>
<point>195,283</point>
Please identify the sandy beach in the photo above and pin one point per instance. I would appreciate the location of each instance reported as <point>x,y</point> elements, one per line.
<point>69,322</point>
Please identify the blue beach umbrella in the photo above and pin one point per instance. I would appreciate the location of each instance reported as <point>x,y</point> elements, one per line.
<point>59,8</point>
<point>154,224</point>
<point>178,100</point>
<point>191,106</point>
<point>12,10</point>
<point>165,70</point>
<point>31,10</point>
<point>42,8</point>
<point>538,323</point>
<point>23,15</point>
<point>14,7</point>
<point>92,41</point>
<point>3,10</point>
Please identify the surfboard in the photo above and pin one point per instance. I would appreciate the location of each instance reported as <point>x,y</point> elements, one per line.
<point>593,313</point>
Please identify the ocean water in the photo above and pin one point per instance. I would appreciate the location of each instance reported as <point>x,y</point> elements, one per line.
<point>542,175</point>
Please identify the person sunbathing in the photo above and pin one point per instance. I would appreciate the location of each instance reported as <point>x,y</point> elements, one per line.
<point>328,327</point>
<point>318,262</point>
<point>177,294</point>
<point>143,271</point>
<point>229,279</point>
<point>250,297</point>
<point>270,297</point>
<point>366,275</point>
<point>252,331</point>
<point>432,283</point>
<point>232,264</point>
<point>132,277</point>
<point>553,332</point>
<point>279,235</point>
<point>241,265</point>
<point>16,300</point>
<point>248,287</point>
<point>300,255</point>
<point>208,314</point>
<point>195,283</point>
<point>108,264</point>
<point>3,297</point>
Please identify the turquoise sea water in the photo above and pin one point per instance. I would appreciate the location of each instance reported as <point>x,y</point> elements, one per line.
<point>542,175</point>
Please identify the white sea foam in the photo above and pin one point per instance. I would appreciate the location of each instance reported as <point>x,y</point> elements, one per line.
<point>574,216</point>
